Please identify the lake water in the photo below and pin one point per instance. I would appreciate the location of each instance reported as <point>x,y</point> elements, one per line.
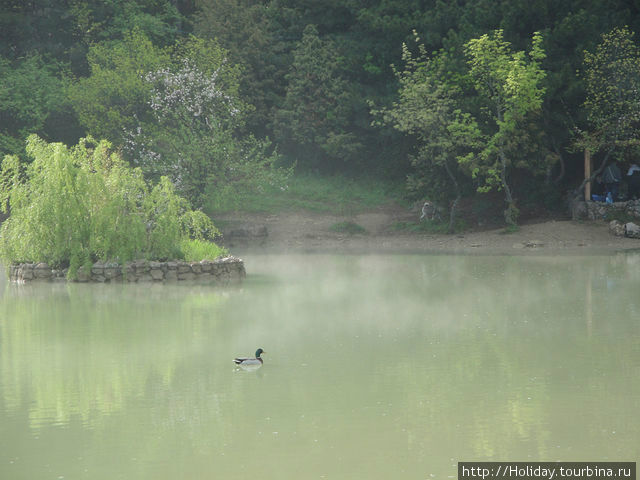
<point>377,367</point>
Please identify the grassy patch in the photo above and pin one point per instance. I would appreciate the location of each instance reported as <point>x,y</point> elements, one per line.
<point>336,194</point>
<point>348,227</point>
<point>196,250</point>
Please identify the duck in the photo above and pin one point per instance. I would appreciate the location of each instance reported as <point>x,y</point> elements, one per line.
<point>248,361</point>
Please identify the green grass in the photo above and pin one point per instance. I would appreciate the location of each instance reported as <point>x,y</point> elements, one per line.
<point>335,194</point>
<point>348,227</point>
<point>196,250</point>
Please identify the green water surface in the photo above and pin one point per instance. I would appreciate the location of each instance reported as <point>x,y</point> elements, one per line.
<point>377,367</point>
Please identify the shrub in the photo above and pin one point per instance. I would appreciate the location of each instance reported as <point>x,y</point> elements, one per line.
<point>195,250</point>
<point>73,206</point>
<point>176,112</point>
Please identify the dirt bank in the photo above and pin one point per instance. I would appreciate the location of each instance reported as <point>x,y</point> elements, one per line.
<point>303,231</point>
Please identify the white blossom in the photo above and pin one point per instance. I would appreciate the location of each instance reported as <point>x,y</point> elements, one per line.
<point>189,90</point>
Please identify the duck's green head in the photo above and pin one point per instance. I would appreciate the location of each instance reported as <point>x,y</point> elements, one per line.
<point>259,352</point>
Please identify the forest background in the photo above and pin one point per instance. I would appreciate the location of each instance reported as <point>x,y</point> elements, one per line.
<point>484,104</point>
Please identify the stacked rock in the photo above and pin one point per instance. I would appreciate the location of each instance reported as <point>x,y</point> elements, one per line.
<point>225,270</point>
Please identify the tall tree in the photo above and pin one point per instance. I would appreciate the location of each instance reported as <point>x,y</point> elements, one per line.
<point>445,136</point>
<point>511,84</point>
<point>311,122</point>
<point>612,79</point>
<point>113,98</point>
<point>175,112</point>
<point>247,31</point>
<point>31,90</point>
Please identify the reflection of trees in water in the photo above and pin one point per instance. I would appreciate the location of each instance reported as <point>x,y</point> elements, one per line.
<point>80,350</point>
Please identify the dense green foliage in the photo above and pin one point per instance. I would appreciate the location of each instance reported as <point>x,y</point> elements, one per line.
<point>510,84</point>
<point>298,78</point>
<point>447,139</point>
<point>72,206</point>
<point>109,101</point>
<point>30,96</point>
<point>175,112</point>
<point>311,121</point>
<point>612,78</point>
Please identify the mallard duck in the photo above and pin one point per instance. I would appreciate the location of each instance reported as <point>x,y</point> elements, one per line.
<point>248,361</point>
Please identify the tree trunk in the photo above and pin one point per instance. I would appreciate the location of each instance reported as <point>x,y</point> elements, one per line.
<point>578,192</point>
<point>454,205</point>
<point>511,213</point>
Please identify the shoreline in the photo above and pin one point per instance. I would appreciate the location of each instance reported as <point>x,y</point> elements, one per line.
<point>310,232</point>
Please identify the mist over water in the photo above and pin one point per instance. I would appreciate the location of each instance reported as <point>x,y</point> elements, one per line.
<point>376,367</point>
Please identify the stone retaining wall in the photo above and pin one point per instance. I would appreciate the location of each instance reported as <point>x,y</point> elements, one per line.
<point>222,271</point>
<point>604,211</point>
<point>581,210</point>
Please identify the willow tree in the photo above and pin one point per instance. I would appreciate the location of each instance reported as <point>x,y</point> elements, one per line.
<point>73,206</point>
<point>511,84</point>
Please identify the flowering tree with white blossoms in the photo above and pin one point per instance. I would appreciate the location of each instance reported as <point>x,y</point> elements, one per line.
<point>191,94</point>
<point>176,112</point>
<point>189,134</point>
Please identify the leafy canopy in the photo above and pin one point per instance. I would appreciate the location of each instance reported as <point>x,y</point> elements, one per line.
<point>115,94</point>
<point>176,112</point>
<point>30,91</point>
<point>318,102</point>
<point>446,137</point>
<point>72,206</point>
<point>612,79</point>
<point>511,84</point>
